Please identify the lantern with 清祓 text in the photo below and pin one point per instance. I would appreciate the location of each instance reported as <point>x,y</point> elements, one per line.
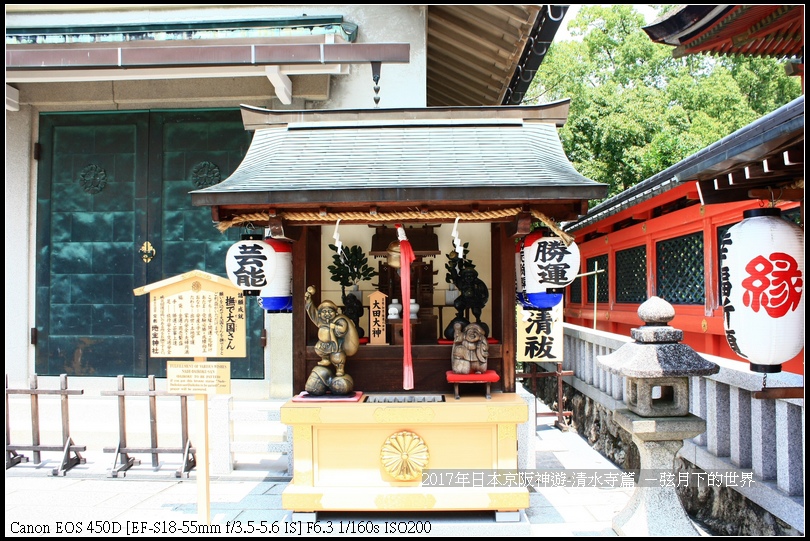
<point>762,289</point>
<point>276,296</point>
<point>545,265</point>
<point>250,264</point>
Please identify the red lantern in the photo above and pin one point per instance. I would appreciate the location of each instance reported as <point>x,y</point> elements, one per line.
<point>545,265</point>
<point>276,296</point>
<point>762,289</point>
<point>250,264</point>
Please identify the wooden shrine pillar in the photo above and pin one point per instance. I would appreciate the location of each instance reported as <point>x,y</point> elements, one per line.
<point>503,307</point>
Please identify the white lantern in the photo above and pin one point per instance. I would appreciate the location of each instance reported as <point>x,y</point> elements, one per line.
<point>276,296</point>
<point>762,289</point>
<point>546,266</point>
<point>250,264</point>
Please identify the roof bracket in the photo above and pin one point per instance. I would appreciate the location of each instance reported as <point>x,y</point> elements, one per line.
<point>281,82</point>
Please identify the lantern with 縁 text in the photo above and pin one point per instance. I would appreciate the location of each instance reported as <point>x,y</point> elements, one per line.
<point>545,265</point>
<point>276,296</point>
<point>762,289</point>
<point>250,264</point>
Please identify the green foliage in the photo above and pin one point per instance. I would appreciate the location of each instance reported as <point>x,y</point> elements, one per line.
<point>454,265</point>
<point>351,267</point>
<point>635,110</point>
<point>763,81</point>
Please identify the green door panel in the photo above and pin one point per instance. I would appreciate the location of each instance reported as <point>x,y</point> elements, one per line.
<point>108,183</point>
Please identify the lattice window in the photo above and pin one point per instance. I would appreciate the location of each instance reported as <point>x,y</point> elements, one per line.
<point>631,275</point>
<point>600,283</point>
<point>679,272</point>
<point>575,289</point>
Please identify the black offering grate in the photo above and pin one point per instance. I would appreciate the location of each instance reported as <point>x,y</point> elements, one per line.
<point>403,398</point>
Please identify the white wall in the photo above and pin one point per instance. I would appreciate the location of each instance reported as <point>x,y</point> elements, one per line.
<point>401,85</point>
<point>20,227</point>
<point>477,234</point>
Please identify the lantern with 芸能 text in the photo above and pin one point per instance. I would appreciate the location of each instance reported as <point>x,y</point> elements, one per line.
<point>250,264</point>
<point>276,296</point>
<point>762,289</point>
<point>545,265</point>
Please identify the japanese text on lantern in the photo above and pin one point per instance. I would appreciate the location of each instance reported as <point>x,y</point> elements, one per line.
<point>250,262</point>
<point>771,284</point>
<point>549,261</point>
<point>539,334</point>
<point>725,293</point>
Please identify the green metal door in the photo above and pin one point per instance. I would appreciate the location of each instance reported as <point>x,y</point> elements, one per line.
<point>114,214</point>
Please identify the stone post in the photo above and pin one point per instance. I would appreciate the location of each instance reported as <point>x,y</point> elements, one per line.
<point>656,368</point>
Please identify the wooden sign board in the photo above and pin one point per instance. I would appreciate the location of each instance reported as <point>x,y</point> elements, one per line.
<point>540,334</point>
<point>186,377</point>
<point>378,314</point>
<point>196,314</point>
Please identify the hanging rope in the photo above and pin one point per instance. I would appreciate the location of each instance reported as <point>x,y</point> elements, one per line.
<point>366,217</point>
<point>551,224</point>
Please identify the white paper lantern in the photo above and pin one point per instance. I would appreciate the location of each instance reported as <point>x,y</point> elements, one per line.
<point>250,264</point>
<point>546,266</point>
<point>762,289</point>
<point>276,296</point>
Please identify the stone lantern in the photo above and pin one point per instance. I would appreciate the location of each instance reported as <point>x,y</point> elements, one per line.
<point>657,368</point>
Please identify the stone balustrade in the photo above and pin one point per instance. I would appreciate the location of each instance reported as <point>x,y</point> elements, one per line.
<point>763,436</point>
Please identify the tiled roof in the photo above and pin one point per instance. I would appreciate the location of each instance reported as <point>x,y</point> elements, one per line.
<point>451,159</point>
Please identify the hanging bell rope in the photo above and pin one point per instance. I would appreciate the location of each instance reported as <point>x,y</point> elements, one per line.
<point>551,224</point>
<point>399,216</point>
<point>367,217</point>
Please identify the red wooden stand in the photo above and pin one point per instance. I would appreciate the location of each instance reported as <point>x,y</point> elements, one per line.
<point>488,377</point>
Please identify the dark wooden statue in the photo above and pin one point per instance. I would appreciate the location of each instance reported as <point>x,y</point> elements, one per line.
<point>473,296</point>
<point>353,309</point>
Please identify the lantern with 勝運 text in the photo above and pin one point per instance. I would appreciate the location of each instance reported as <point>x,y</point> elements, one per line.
<point>276,296</point>
<point>545,265</point>
<point>250,264</point>
<point>762,289</point>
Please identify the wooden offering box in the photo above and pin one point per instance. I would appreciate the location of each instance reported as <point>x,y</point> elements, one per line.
<point>373,455</point>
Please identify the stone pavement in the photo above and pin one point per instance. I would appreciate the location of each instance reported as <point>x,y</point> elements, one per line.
<point>149,501</point>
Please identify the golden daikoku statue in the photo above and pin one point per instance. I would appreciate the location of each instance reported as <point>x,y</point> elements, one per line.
<point>337,340</point>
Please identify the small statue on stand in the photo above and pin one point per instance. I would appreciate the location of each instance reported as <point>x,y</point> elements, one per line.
<point>337,340</point>
<point>470,349</point>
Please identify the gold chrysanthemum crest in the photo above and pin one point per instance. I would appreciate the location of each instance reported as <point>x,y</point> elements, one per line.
<point>403,455</point>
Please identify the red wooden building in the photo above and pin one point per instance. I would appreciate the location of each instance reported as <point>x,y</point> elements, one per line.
<point>661,237</point>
